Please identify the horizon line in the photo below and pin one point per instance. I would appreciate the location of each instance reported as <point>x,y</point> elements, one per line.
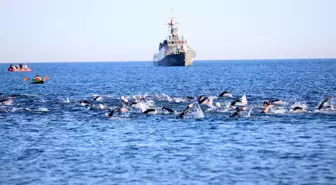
<point>124,61</point>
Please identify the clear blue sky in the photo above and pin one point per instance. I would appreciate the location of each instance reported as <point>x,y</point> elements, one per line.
<point>130,30</point>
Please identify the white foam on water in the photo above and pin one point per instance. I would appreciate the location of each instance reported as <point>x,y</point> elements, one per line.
<point>199,114</point>
<point>243,100</point>
<point>278,110</point>
<point>67,100</point>
<point>168,98</point>
<point>142,106</point>
<point>43,109</point>
<point>250,111</point>
<point>179,100</point>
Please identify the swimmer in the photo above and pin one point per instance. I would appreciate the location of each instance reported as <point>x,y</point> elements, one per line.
<point>154,111</point>
<point>142,98</point>
<point>265,110</point>
<point>97,98</point>
<point>84,103</point>
<point>102,106</point>
<point>203,99</point>
<point>225,94</point>
<point>182,114</point>
<point>13,96</point>
<point>324,102</point>
<point>132,103</point>
<point>240,102</point>
<point>235,114</point>
<point>273,102</point>
<point>150,111</point>
<point>117,110</point>
<point>6,102</point>
<point>298,109</point>
<point>124,100</point>
<point>206,100</point>
<point>168,109</point>
<point>235,102</point>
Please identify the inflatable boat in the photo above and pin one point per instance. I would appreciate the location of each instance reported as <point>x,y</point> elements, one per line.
<point>19,70</point>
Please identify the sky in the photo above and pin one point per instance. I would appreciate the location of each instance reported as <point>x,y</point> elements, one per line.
<point>131,30</point>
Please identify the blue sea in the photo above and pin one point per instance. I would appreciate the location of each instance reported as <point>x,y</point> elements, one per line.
<point>48,137</point>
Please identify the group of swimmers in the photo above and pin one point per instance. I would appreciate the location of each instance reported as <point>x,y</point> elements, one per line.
<point>146,106</point>
<point>237,106</point>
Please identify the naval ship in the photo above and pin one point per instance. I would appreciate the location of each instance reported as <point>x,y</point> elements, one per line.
<point>174,50</point>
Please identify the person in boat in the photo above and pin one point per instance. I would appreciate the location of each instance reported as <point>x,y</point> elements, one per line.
<point>324,102</point>
<point>11,66</point>
<point>21,66</point>
<point>38,78</point>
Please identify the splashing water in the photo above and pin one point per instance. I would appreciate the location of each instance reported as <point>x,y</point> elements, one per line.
<point>199,114</point>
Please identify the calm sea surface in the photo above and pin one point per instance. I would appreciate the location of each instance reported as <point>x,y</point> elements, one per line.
<point>47,137</point>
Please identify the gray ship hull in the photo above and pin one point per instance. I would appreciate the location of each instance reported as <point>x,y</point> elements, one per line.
<point>181,59</point>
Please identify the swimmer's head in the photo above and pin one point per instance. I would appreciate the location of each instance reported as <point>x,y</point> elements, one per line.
<point>101,107</point>
<point>123,110</point>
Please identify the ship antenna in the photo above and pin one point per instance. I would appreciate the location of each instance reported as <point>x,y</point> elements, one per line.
<point>171,25</point>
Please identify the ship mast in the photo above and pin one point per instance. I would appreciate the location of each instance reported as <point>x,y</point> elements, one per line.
<point>173,28</point>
